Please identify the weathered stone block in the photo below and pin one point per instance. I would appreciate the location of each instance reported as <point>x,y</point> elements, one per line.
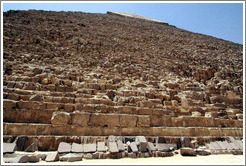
<point>128,121</point>
<point>121,146</point>
<point>113,148</point>
<point>60,118</point>
<point>78,118</point>
<point>110,120</point>
<point>9,103</point>
<point>143,121</point>
<point>187,152</point>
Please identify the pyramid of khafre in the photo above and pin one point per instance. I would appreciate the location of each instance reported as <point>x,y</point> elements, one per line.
<point>71,74</point>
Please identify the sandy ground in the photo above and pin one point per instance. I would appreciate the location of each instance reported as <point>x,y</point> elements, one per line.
<point>177,159</point>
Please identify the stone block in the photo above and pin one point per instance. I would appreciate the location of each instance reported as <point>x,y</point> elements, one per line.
<point>9,103</point>
<point>52,156</point>
<point>64,147</point>
<point>187,152</point>
<point>60,119</point>
<point>128,121</point>
<point>101,147</point>
<point>203,152</point>
<point>163,147</point>
<point>151,147</point>
<point>121,146</point>
<point>78,118</point>
<point>142,143</point>
<point>21,142</point>
<point>33,158</point>
<point>110,120</point>
<point>71,157</point>
<point>132,155</point>
<point>9,147</point>
<point>90,148</point>
<point>88,156</point>
<point>133,147</point>
<point>143,121</point>
<point>113,148</point>
<point>77,148</point>
<point>18,159</point>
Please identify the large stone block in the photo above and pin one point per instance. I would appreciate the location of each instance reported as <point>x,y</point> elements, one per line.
<point>52,156</point>
<point>9,103</point>
<point>90,148</point>
<point>143,121</point>
<point>101,147</point>
<point>64,147</point>
<point>128,121</point>
<point>9,147</point>
<point>77,148</point>
<point>113,148</point>
<point>60,118</point>
<point>110,120</point>
<point>79,118</point>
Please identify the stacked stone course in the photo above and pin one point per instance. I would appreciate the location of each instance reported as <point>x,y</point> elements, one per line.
<point>78,74</point>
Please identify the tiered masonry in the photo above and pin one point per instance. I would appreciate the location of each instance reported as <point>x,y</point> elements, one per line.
<point>79,74</point>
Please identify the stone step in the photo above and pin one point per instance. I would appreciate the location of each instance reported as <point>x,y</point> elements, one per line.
<point>37,113</point>
<point>29,129</point>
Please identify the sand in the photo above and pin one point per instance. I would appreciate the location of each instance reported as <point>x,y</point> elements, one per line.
<point>176,159</point>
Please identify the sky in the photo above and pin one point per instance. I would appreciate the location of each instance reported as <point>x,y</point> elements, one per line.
<point>221,20</point>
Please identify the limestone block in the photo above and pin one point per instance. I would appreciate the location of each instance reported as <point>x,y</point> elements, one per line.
<point>143,121</point>
<point>9,103</point>
<point>79,118</point>
<point>60,118</point>
<point>52,156</point>
<point>111,120</point>
<point>64,147</point>
<point>128,120</point>
<point>187,152</point>
<point>77,148</point>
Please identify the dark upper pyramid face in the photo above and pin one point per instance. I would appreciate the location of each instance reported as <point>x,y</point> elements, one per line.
<point>103,63</point>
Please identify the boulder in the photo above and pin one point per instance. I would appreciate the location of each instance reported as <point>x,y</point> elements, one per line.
<point>187,152</point>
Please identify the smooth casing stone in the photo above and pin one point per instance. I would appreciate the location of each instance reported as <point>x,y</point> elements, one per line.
<point>64,147</point>
<point>133,147</point>
<point>90,148</point>
<point>101,147</point>
<point>9,147</point>
<point>121,146</point>
<point>53,156</point>
<point>71,157</point>
<point>113,148</point>
<point>77,148</point>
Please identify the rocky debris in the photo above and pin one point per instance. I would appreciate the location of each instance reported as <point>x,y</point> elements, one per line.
<point>52,156</point>
<point>9,147</point>
<point>70,157</point>
<point>33,158</point>
<point>187,152</point>
<point>18,159</point>
<point>202,152</point>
